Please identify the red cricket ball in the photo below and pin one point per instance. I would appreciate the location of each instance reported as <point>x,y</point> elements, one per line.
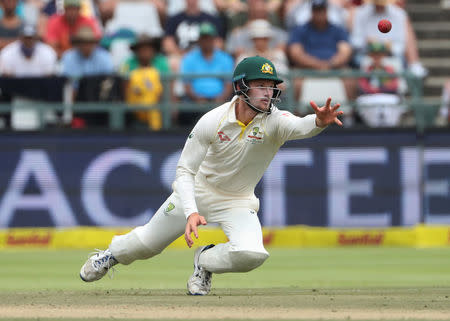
<point>384,26</point>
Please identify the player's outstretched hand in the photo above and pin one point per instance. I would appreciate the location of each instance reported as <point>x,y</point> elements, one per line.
<point>327,114</point>
<point>193,221</point>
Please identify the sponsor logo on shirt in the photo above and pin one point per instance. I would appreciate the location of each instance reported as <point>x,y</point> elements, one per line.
<point>169,208</point>
<point>256,136</point>
<point>223,137</point>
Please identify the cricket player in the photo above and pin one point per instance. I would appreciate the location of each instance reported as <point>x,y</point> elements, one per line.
<point>223,159</point>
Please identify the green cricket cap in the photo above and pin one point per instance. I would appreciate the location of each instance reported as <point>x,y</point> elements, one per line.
<point>256,67</point>
<point>207,29</point>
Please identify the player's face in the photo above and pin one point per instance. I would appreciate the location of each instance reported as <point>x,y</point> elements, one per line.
<point>261,93</point>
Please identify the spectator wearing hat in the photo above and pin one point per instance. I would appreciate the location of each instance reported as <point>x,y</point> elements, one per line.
<point>402,37</point>
<point>254,9</point>
<point>62,27</point>
<point>261,34</point>
<point>86,58</point>
<point>374,85</point>
<point>146,52</point>
<point>10,23</point>
<point>206,59</point>
<point>239,40</point>
<point>379,103</point>
<point>144,86</point>
<point>182,31</point>
<point>28,57</point>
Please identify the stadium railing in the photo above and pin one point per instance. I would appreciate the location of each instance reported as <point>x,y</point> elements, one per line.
<point>424,110</point>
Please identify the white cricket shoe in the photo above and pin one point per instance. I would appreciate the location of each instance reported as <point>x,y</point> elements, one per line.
<point>200,281</point>
<point>97,265</point>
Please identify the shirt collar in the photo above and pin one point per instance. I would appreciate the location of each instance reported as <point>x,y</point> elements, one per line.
<point>232,111</point>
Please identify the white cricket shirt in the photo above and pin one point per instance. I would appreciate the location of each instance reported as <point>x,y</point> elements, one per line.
<point>43,62</point>
<point>231,157</point>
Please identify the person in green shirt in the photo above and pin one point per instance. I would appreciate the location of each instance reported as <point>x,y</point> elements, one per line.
<point>146,52</point>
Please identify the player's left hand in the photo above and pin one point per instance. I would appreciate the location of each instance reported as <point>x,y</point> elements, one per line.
<point>327,115</point>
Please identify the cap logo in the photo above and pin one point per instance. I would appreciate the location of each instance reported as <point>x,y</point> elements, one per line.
<point>267,69</point>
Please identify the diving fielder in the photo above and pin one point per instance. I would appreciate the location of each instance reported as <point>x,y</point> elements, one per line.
<point>223,159</point>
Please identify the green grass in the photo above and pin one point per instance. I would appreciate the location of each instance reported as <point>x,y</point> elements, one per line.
<point>324,279</point>
<point>303,268</point>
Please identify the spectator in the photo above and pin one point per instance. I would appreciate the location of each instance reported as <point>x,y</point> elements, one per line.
<point>61,27</point>
<point>48,8</point>
<point>182,31</point>
<point>378,51</point>
<point>28,57</point>
<point>207,58</point>
<point>146,53</point>
<point>300,13</point>
<point>19,9</point>
<point>401,37</point>
<point>176,6</point>
<point>261,33</point>
<point>379,103</point>
<point>239,40</point>
<point>10,23</point>
<point>86,58</point>
<point>144,86</point>
<point>320,45</point>
<point>254,9</point>
<point>107,10</point>
<point>87,8</point>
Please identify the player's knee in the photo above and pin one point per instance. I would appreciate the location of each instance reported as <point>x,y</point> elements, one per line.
<point>244,261</point>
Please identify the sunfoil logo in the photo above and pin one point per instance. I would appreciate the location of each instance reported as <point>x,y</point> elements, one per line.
<point>361,239</point>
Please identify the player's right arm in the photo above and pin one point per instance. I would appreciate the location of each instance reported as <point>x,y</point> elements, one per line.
<point>193,153</point>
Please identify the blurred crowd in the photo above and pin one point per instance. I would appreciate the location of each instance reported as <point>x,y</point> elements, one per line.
<point>131,43</point>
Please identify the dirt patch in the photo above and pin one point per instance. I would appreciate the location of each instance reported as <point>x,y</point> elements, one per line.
<point>213,312</point>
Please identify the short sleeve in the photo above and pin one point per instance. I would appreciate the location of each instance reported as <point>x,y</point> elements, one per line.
<point>296,35</point>
<point>228,63</point>
<point>171,25</point>
<point>186,66</point>
<point>341,34</point>
<point>51,34</point>
<point>108,64</point>
<point>67,64</point>
<point>219,26</point>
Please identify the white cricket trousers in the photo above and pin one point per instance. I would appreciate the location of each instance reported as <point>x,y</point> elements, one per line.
<point>236,216</point>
